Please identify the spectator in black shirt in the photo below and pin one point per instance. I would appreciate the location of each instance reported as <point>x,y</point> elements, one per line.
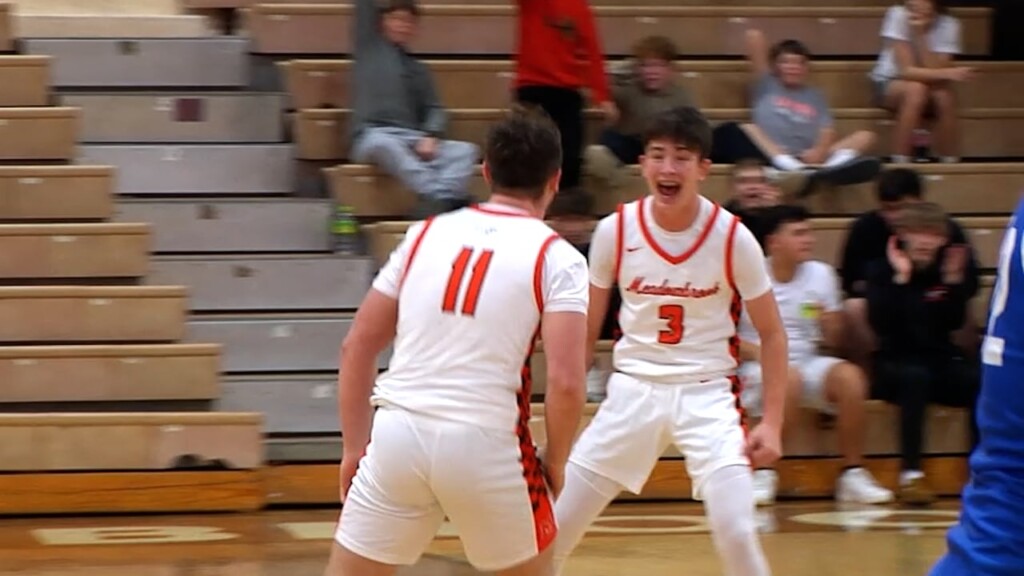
<point>754,190</point>
<point>918,296</point>
<point>866,243</point>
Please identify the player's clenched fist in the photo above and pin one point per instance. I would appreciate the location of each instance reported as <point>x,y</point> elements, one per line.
<point>764,445</point>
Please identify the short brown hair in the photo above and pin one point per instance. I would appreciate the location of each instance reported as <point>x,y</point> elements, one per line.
<point>657,47</point>
<point>389,6</point>
<point>923,217</point>
<point>684,125</point>
<point>523,151</point>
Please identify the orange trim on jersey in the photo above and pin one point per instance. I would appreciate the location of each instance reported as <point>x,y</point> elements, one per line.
<point>737,391</point>
<point>729,241</point>
<point>494,212</point>
<point>620,230</point>
<point>675,260</point>
<point>545,528</point>
<point>412,251</point>
<point>538,273</point>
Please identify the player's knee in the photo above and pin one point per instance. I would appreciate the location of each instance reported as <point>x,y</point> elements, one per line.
<point>848,381</point>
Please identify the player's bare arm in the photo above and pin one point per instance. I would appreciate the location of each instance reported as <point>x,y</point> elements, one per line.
<point>596,312</point>
<point>565,337</point>
<point>765,442</point>
<point>371,332</point>
<point>831,330</point>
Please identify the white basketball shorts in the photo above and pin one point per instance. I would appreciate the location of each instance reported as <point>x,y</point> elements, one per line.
<point>639,420</point>
<point>813,371</point>
<point>418,469</point>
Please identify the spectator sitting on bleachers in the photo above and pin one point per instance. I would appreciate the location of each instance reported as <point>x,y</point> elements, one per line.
<point>866,242</point>
<point>642,87</point>
<point>397,120</point>
<point>915,75</point>
<point>754,190</point>
<point>792,128</point>
<point>807,293</point>
<point>917,297</point>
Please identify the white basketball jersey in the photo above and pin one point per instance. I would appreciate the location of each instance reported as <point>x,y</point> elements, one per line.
<point>679,312</point>
<point>470,302</point>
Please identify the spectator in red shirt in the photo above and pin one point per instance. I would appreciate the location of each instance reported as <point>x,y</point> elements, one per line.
<point>559,53</point>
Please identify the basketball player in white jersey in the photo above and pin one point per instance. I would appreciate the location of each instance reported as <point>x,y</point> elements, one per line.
<point>684,267</point>
<point>464,298</point>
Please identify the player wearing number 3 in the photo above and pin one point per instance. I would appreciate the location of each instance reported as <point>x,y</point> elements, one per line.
<point>685,268</point>
<point>464,297</point>
<point>989,539</point>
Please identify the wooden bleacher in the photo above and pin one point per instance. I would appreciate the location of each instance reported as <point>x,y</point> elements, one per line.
<point>325,83</point>
<point>289,29</point>
<point>90,362</point>
<point>136,345</point>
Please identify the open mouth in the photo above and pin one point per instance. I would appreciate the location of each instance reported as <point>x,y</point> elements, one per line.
<point>668,189</point>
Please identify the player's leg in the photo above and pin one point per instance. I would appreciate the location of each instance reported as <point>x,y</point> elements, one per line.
<point>616,451</point>
<point>390,514</point>
<point>709,432</point>
<point>835,385</point>
<point>491,486</point>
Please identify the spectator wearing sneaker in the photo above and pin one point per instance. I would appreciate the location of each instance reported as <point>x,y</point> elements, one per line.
<point>915,76</point>
<point>642,87</point>
<point>807,292</point>
<point>866,243</point>
<point>792,126</point>
<point>917,298</point>
<point>398,123</point>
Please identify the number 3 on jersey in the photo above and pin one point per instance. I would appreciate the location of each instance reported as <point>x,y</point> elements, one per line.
<point>476,281</point>
<point>673,315</point>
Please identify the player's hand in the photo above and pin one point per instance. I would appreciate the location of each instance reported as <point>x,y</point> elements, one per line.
<point>953,264</point>
<point>555,475</point>
<point>764,445</point>
<point>959,73</point>
<point>349,465</point>
<point>899,260</point>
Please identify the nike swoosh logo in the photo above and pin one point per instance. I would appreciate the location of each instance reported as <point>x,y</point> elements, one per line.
<point>633,249</point>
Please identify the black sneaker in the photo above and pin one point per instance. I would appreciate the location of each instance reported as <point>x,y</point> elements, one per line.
<point>854,171</point>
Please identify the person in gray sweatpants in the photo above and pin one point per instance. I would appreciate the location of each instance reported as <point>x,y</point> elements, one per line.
<point>398,122</point>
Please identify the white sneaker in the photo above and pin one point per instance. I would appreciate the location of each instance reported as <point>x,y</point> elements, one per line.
<point>597,384</point>
<point>766,484</point>
<point>858,485</point>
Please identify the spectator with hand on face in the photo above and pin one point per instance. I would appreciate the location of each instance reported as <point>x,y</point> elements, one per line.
<point>915,76</point>
<point>918,297</point>
<point>753,192</point>
<point>398,122</point>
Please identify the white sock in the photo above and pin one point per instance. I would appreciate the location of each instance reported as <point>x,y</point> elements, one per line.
<point>787,162</point>
<point>907,475</point>
<point>841,156</point>
<point>728,495</point>
<point>585,495</point>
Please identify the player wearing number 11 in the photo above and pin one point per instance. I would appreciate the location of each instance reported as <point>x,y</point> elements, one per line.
<point>685,268</point>
<point>464,297</point>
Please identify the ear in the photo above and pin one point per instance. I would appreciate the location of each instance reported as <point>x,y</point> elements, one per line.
<point>486,172</point>
<point>705,167</point>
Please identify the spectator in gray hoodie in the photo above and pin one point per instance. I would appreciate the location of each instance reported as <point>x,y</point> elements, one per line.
<point>398,122</point>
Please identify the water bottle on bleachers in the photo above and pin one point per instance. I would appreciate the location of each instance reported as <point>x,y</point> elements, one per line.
<point>345,232</point>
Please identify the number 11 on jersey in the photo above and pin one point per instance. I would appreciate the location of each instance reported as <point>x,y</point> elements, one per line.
<point>476,281</point>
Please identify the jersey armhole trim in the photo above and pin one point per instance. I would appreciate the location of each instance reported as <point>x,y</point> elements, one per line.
<point>538,273</point>
<point>412,251</point>
<point>620,228</point>
<point>730,242</point>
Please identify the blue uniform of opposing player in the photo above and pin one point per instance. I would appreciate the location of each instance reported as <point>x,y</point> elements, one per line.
<point>989,539</point>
